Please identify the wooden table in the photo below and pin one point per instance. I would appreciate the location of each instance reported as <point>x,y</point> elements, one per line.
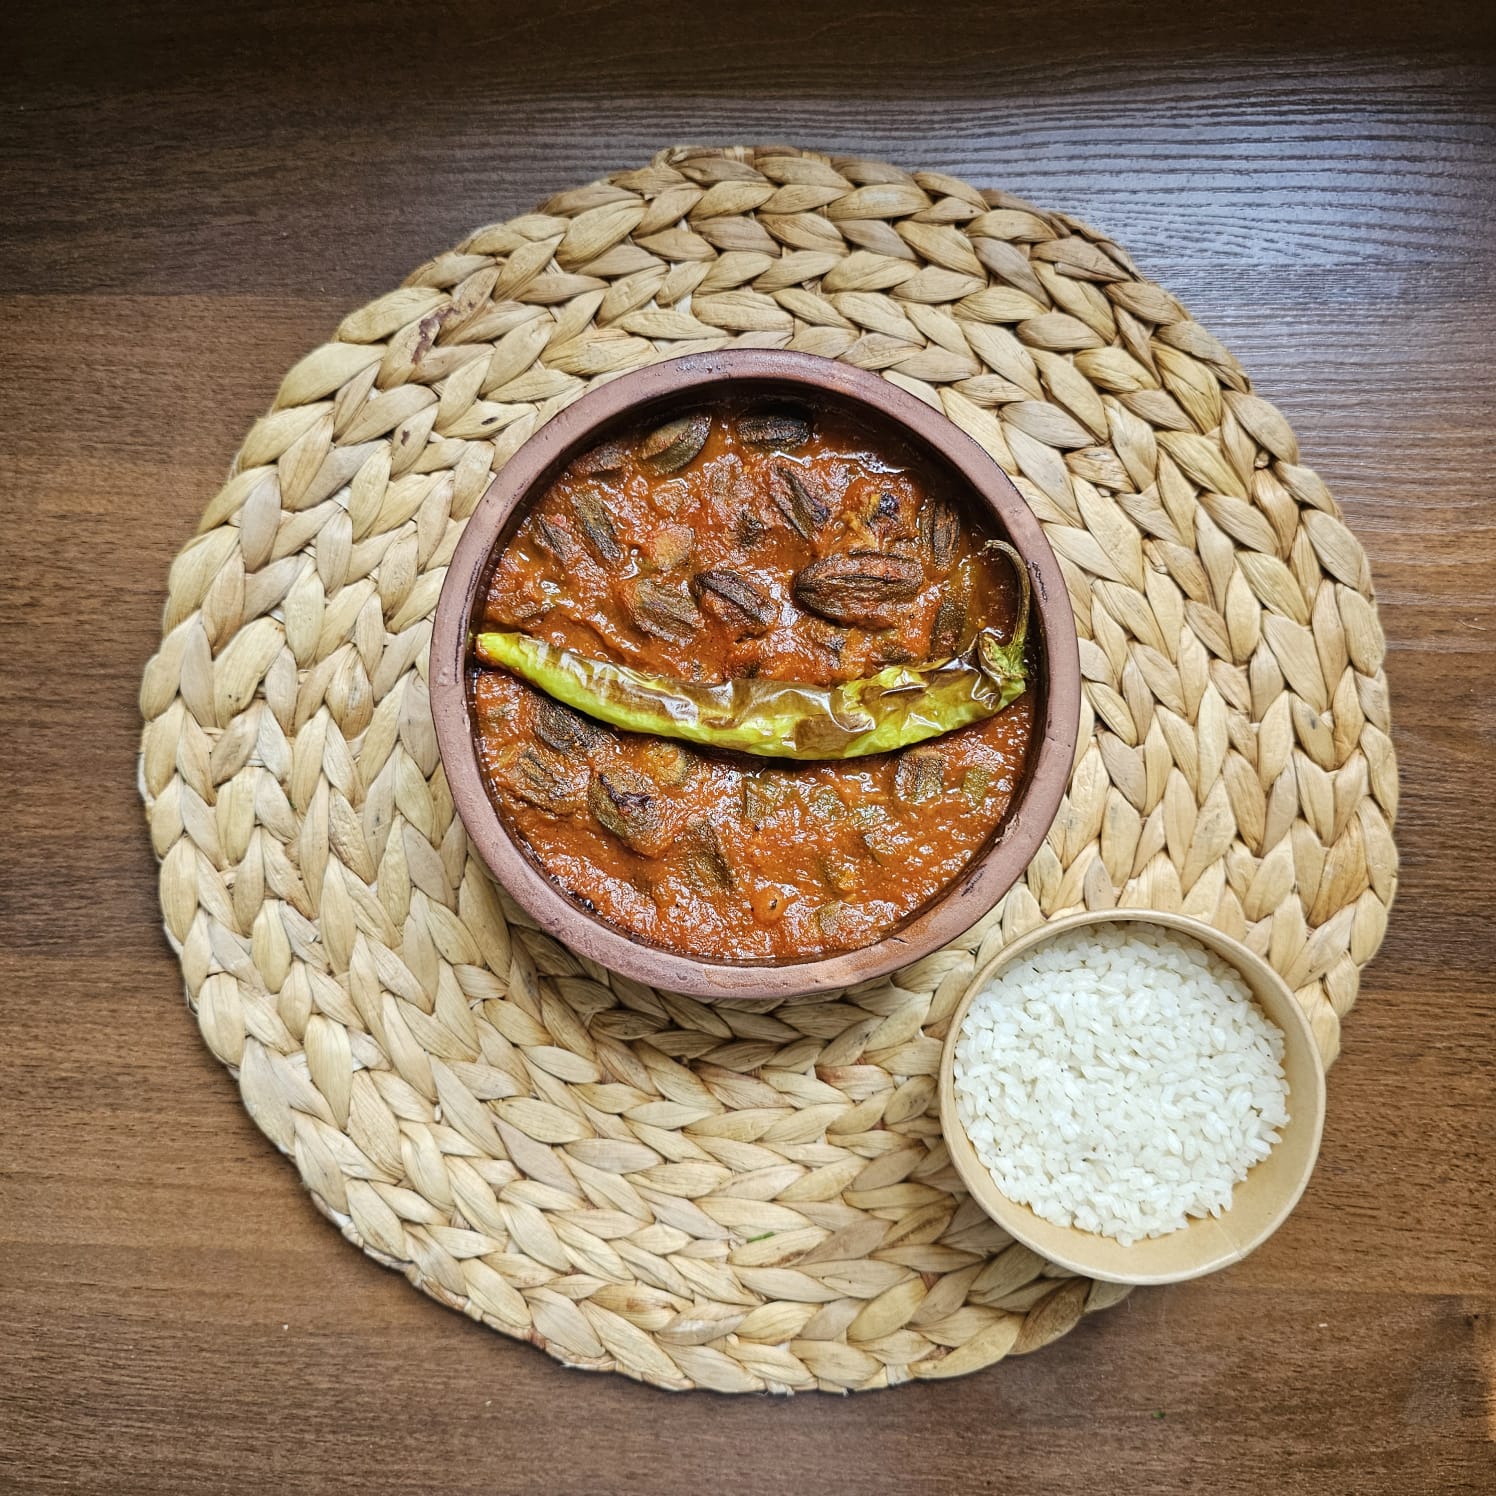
<point>192,196</point>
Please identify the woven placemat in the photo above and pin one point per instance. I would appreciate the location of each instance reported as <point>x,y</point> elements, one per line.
<point>751,1196</point>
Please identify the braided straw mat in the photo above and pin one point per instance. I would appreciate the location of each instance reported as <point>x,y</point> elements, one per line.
<point>752,1196</point>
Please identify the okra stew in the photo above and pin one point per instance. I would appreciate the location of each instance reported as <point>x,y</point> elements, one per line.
<point>750,685</point>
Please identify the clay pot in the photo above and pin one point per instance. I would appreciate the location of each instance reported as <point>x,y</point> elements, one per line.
<point>657,392</point>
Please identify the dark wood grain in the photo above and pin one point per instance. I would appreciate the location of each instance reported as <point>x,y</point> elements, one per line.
<point>189,199</point>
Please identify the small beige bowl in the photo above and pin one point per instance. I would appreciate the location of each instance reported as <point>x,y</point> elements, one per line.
<point>1260,1203</point>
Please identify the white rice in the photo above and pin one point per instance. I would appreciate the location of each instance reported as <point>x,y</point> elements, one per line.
<point>1120,1079</point>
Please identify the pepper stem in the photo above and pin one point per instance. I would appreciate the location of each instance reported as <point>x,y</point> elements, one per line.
<point>1005,661</point>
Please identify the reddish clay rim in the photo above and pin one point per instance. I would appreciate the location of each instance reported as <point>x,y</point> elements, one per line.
<point>580,425</point>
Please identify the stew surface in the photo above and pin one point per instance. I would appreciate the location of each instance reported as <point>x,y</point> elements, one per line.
<point>746,541</point>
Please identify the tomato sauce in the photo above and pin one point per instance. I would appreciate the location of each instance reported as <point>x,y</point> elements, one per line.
<point>747,541</point>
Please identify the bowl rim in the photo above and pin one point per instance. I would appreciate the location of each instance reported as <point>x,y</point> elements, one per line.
<point>967,898</point>
<point>1019,1221</point>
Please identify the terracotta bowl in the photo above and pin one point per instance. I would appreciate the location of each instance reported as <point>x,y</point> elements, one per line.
<point>1259,1204</point>
<point>880,406</point>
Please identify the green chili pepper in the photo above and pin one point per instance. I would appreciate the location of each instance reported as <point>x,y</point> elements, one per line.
<point>900,705</point>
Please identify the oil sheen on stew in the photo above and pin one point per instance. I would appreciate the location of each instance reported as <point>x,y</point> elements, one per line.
<point>676,550</point>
